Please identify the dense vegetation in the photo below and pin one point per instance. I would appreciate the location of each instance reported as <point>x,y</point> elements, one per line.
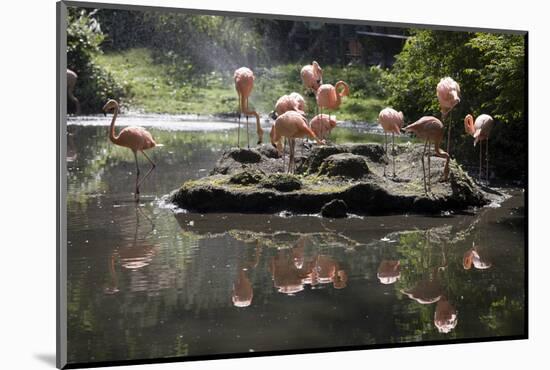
<point>84,37</point>
<point>181,63</point>
<point>490,71</point>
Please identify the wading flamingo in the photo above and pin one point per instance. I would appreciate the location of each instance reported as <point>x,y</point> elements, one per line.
<point>134,138</point>
<point>322,125</point>
<point>448,94</point>
<point>480,130</point>
<point>285,103</point>
<point>391,122</point>
<point>431,130</point>
<point>71,84</point>
<point>290,125</point>
<point>329,97</point>
<point>244,83</point>
<point>312,76</point>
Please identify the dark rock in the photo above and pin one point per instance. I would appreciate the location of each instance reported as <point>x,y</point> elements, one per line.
<point>336,208</point>
<point>243,155</point>
<point>344,165</point>
<point>269,151</point>
<point>282,182</point>
<point>352,173</point>
<point>318,154</point>
<point>374,152</point>
<point>246,178</point>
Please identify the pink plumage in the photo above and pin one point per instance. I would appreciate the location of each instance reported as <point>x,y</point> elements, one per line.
<point>482,127</point>
<point>448,94</point>
<point>391,120</point>
<point>293,101</point>
<point>312,76</point>
<point>329,97</point>
<point>244,81</point>
<point>322,125</point>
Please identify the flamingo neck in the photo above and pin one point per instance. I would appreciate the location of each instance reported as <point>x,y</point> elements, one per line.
<point>112,135</point>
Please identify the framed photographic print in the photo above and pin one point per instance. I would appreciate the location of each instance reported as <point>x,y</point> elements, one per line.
<point>236,184</point>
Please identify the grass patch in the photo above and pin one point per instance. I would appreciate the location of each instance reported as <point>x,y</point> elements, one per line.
<point>151,87</point>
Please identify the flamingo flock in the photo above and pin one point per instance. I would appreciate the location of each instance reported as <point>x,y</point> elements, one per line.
<point>291,122</point>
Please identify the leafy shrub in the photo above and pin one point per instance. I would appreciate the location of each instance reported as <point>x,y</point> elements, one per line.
<point>490,71</point>
<point>95,85</point>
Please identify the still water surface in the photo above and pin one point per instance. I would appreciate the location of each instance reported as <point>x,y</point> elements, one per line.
<point>147,281</point>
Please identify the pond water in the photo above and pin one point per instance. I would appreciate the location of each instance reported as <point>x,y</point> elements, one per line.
<point>147,281</point>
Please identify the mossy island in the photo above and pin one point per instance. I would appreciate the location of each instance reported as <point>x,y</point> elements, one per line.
<point>334,181</point>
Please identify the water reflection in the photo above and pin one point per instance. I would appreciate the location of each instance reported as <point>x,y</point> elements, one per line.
<point>146,282</point>
<point>133,255</point>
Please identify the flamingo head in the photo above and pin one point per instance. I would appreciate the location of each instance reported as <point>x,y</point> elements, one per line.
<point>111,105</point>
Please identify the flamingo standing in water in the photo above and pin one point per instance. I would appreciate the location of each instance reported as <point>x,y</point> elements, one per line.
<point>330,97</point>
<point>431,130</point>
<point>290,125</point>
<point>71,84</point>
<point>312,76</point>
<point>244,83</point>
<point>392,122</point>
<point>448,94</point>
<point>480,130</point>
<point>134,138</point>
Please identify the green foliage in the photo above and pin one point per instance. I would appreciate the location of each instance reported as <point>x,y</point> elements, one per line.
<point>94,85</point>
<point>490,71</point>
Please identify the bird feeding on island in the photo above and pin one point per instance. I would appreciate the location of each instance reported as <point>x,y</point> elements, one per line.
<point>291,125</point>
<point>431,130</point>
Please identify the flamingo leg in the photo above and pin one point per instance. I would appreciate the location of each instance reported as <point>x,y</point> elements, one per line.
<point>291,143</point>
<point>153,165</point>
<point>239,127</point>
<point>247,136</point>
<point>487,160</point>
<point>393,151</point>
<point>136,193</point>
<point>385,150</point>
<point>423,168</point>
<point>480,153</point>
<point>284,150</point>
<point>450,113</point>
<point>429,169</point>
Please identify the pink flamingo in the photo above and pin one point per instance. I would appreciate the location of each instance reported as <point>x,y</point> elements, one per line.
<point>290,125</point>
<point>293,101</point>
<point>448,94</point>
<point>312,76</point>
<point>322,125</point>
<point>71,84</point>
<point>244,83</point>
<point>134,138</point>
<point>480,130</point>
<point>391,121</point>
<point>328,96</point>
<point>431,130</point>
